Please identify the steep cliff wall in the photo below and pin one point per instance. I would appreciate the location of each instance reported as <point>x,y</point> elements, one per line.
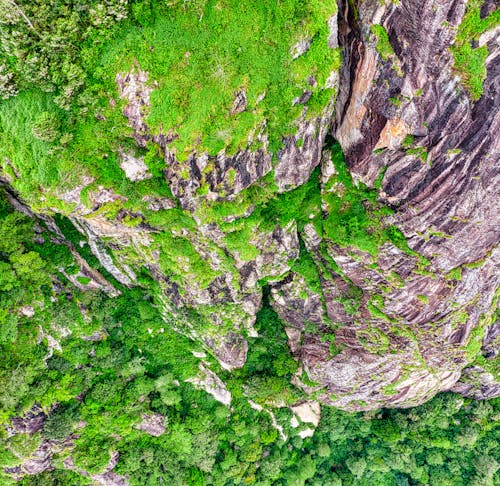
<point>382,262</point>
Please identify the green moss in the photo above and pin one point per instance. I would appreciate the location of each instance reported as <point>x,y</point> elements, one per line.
<point>374,340</point>
<point>304,377</point>
<point>132,221</point>
<point>420,152</point>
<point>455,274</point>
<point>408,141</point>
<point>180,260</point>
<point>470,61</point>
<point>395,101</point>
<point>378,181</point>
<point>238,241</point>
<point>306,267</point>
<point>383,45</point>
<point>354,215</point>
<point>351,299</point>
<point>376,313</point>
<point>476,336</point>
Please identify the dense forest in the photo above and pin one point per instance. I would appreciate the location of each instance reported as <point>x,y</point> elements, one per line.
<point>145,333</point>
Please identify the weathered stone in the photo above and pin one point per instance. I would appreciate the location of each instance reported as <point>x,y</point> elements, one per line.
<point>134,167</point>
<point>477,383</point>
<point>212,384</point>
<point>446,204</point>
<point>240,103</point>
<point>152,424</point>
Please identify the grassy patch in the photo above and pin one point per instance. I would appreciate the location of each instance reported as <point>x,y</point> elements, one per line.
<point>199,54</point>
<point>27,159</point>
<point>306,267</point>
<point>202,53</point>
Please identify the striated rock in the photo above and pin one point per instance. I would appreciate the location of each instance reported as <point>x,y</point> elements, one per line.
<point>222,176</point>
<point>97,279</point>
<point>230,350</point>
<point>297,160</point>
<point>387,324</point>
<point>40,459</point>
<point>276,250</point>
<point>410,342</point>
<point>135,89</point>
<point>159,203</point>
<point>39,462</point>
<point>300,48</point>
<point>240,103</point>
<point>98,227</point>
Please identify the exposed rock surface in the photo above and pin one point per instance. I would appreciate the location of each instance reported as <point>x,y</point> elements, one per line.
<point>212,384</point>
<point>152,424</point>
<point>477,383</point>
<point>445,201</point>
<point>135,169</point>
<point>308,412</point>
<point>40,459</point>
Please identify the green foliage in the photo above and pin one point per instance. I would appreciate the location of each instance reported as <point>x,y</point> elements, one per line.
<point>41,42</point>
<point>354,215</point>
<point>306,267</point>
<point>266,375</point>
<point>470,61</point>
<point>96,365</point>
<point>46,127</point>
<point>199,54</point>
<point>383,45</point>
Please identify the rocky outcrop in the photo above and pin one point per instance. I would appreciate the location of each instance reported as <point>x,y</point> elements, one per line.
<point>212,384</point>
<point>106,478</point>
<point>153,424</point>
<point>297,161</point>
<point>477,383</point>
<point>407,114</point>
<point>40,459</point>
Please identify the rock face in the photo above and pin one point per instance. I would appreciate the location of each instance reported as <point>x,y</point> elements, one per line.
<point>152,424</point>
<point>212,384</point>
<point>443,184</point>
<point>405,116</point>
<point>226,296</point>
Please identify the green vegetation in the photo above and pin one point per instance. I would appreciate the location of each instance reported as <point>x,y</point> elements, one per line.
<point>97,366</point>
<point>383,45</point>
<point>354,215</point>
<point>100,389</point>
<point>469,60</point>
<point>198,55</point>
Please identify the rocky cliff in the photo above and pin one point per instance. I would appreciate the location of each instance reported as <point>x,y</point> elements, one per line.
<point>382,262</point>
